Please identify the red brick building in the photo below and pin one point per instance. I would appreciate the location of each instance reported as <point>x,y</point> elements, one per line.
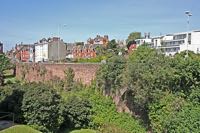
<point>22,53</point>
<point>86,51</point>
<point>99,40</point>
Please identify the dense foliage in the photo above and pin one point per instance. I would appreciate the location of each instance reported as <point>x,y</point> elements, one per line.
<point>164,110</point>
<point>104,114</point>
<point>187,72</point>
<point>11,101</point>
<point>77,112</point>
<point>69,79</point>
<point>4,65</point>
<point>159,88</point>
<point>186,120</point>
<point>162,92</point>
<point>109,76</point>
<point>41,108</point>
<point>133,36</point>
<point>147,73</point>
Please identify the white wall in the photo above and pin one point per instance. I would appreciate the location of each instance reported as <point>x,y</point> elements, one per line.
<point>41,52</point>
<point>157,42</point>
<point>195,38</point>
<point>167,38</point>
<point>142,41</point>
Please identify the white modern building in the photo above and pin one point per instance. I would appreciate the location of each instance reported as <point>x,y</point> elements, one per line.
<point>175,43</point>
<point>145,40</point>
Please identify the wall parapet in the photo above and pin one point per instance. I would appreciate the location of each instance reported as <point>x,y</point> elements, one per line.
<point>39,72</point>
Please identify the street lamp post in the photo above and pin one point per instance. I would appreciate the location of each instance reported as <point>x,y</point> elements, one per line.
<point>189,14</point>
<point>59,28</point>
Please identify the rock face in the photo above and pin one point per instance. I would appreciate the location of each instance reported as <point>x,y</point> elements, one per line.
<point>39,72</point>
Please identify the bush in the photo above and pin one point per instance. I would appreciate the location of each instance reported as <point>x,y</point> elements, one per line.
<point>11,101</point>
<point>172,113</point>
<point>109,75</point>
<point>104,112</point>
<point>77,112</point>
<point>185,121</point>
<point>41,108</point>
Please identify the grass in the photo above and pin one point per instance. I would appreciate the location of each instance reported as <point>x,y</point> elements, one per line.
<point>84,131</point>
<point>20,129</point>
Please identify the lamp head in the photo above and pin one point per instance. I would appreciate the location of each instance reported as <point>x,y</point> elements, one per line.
<point>188,13</point>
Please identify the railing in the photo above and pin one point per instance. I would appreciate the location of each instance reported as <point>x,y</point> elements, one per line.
<point>7,119</point>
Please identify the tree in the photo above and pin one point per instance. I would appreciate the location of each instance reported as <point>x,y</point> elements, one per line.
<point>109,75</point>
<point>133,36</point>
<point>147,73</point>
<point>11,101</point>
<point>187,72</point>
<point>77,112</point>
<point>41,107</point>
<point>164,110</point>
<point>187,120</point>
<point>4,65</point>
<point>194,96</point>
<point>112,44</point>
<point>69,79</point>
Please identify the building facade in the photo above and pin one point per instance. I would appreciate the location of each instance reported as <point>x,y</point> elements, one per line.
<point>145,40</point>
<point>175,43</point>
<point>22,53</point>
<point>84,51</point>
<point>51,49</point>
<point>99,40</point>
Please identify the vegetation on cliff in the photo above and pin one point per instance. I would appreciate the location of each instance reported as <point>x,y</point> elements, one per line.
<point>162,94</point>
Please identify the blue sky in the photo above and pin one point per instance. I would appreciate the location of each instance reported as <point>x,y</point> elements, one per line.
<point>28,21</point>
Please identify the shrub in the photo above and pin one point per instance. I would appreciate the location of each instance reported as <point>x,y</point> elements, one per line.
<point>109,75</point>
<point>185,121</point>
<point>11,101</point>
<point>41,108</point>
<point>77,112</point>
<point>104,112</point>
<point>166,110</point>
<point>69,79</point>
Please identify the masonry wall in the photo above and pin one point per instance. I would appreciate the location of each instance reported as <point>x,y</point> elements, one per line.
<point>34,72</point>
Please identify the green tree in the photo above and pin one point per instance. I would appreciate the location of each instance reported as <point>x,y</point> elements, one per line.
<point>109,75</point>
<point>69,79</point>
<point>187,72</point>
<point>187,120</point>
<point>41,108</point>
<point>133,36</point>
<point>4,65</point>
<point>147,73</point>
<point>11,101</point>
<point>77,112</point>
<point>112,44</point>
<point>194,96</point>
<point>164,110</point>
